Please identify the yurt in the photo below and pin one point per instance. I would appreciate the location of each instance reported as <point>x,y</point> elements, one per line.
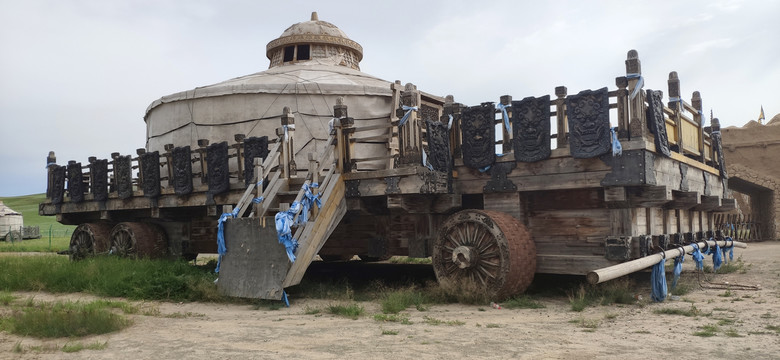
<point>312,65</point>
<point>10,220</point>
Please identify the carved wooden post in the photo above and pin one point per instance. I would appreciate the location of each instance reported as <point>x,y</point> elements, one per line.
<point>394,141</point>
<point>259,171</point>
<point>51,162</point>
<point>699,119</point>
<point>169,162</point>
<point>675,103</point>
<point>140,152</point>
<point>89,182</point>
<point>113,177</point>
<point>239,157</point>
<point>454,109</point>
<point>202,144</point>
<point>506,100</point>
<point>343,128</point>
<point>624,129</point>
<point>636,97</point>
<point>560,114</point>
<point>288,126</point>
<point>410,134</point>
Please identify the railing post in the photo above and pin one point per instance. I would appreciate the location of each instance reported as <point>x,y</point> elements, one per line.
<point>169,162</point>
<point>454,109</point>
<point>202,144</point>
<point>140,152</point>
<point>674,93</point>
<point>506,143</point>
<point>636,97</point>
<point>89,189</point>
<point>113,177</point>
<point>259,171</point>
<point>239,158</point>
<point>410,135</point>
<point>624,129</point>
<point>698,117</point>
<point>560,114</point>
<point>51,162</point>
<point>343,126</point>
<point>288,125</point>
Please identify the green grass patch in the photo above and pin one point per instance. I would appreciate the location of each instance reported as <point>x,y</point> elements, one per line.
<point>614,292</point>
<point>110,276</point>
<point>6,297</point>
<point>732,333</point>
<point>394,302</point>
<point>308,310</point>
<point>399,318</point>
<point>76,347</point>
<point>693,311</point>
<point>434,321</point>
<point>726,293</point>
<point>352,311</point>
<point>63,319</point>
<point>774,328</point>
<point>409,260</point>
<point>522,302</point>
<point>389,332</point>
<point>707,330</point>
<point>492,326</point>
<point>723,322</point>
<point>734,266</point>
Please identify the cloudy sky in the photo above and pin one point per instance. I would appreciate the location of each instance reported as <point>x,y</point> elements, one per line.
<point>77,76</point>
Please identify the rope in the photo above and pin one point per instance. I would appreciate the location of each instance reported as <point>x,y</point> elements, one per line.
<point>658,282</point>
<point>639,83</point>
<point>504,115</point>
<point>408,110</point>
<point>617,149</point>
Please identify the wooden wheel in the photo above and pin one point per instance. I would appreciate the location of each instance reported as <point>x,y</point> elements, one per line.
<point>135,239</point>
<point>89,239</point>
<point>486,252</point>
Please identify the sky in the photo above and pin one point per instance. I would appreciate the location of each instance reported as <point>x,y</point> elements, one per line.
<point>76,77</point>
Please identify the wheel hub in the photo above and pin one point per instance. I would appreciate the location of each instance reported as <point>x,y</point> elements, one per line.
<point>465,256</point>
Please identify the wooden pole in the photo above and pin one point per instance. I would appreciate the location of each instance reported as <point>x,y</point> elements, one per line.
<point>616,271</point>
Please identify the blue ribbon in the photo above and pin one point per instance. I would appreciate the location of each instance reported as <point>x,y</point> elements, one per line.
<point>717,258</point>
<point>697,256</point>
<point>285,299</point>
<point>678,100</point>
<point>504,115</point>
<point>617,149</point>
<point>309,200</point>
<point>284,221</point>
<point>678,261</point>
<point>658,282</point>
<point>425,160</point>
<point>408,110</point>
<point>702,118</point>
<point>449,123</point>
<point>729,248</point>
<point>259,183</point>
<point>639,83</point>
<point>257,200</point>
<point>221,248</point>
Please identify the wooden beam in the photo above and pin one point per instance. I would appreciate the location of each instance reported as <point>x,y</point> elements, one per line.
<point>708,203</point>
<point>684,200</point>
<point>727,205</point>
<point>650,196</point>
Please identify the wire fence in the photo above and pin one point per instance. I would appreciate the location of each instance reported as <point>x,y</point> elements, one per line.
<point>33,232</point>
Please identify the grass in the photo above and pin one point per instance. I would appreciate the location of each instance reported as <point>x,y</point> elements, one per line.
<point>734,266</point>
<point>522,302</point>
<point>614,292</point>
<point>693,311</point>
<point>27,205</point>
<point>63,319</point>
<point>389,332</point>
<point>774,328</point>
<point>403,319</point>
<point>352,311</point>
<point>409,260</point>
<point>732,333</point>
<point>434,321</point>
<point>76,347</point>
<point>394,302</point>
<point>707,330</point>
<point>6,298</point>
<point>110,276</point>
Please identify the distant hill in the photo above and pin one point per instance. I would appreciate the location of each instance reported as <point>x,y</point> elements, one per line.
<point>28,206</point>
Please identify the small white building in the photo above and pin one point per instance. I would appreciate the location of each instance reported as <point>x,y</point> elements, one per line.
<point>10,220</point>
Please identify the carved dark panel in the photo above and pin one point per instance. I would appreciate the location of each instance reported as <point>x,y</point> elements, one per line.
<point>588,114</point>
<point>150,164</point>
<point>75,183</point>
<point>123,175</point>
<point>618,248</point>
<point>634,167</point>
<point>429,113</point>
<point>182,170</point>
<point>351,188</point>
<point>479,136</point>
<point>254,147</point>
<point>439,146</point>
<point>392,185</point>
<point>656,122</point>
<point>99,170</point>
<point>708,181</point>
<point>531,129</point>
<point>218,171</point>
<point>498,178</point>
<point>684,177</point>
<point>434,182</point>
<point>58,184</point>
<point>718,144</point>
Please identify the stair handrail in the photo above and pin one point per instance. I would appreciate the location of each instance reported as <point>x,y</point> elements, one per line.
<point>245,201</point>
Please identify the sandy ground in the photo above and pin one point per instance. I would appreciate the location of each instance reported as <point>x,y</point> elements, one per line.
<point>229,331</point>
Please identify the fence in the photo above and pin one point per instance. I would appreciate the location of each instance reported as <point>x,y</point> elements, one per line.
<point>739,227</point>
<point>34,232</point>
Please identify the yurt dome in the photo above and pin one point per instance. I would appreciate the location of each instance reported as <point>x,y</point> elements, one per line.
<point>312,64</point>
<point>10,220</point>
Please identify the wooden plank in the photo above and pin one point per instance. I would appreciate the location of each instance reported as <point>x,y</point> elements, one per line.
<point>684,200</point>
<point>650,196</point>
<point>504,202</point>
<point>570,264</point>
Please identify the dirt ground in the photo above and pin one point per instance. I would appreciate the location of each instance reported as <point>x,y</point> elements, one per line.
<point>230,331</point>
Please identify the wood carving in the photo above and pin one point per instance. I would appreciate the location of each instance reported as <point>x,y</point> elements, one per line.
<point>498,178</point>
<point>531,129</point>
<point>123,173</point>
<point>439,146</point>
<point>218,171</point>
<point>150,163</point>
<point>588,114</point>
<point>75,183</point>
<point>352,190</point>
<point>392,185</point>
<point>479,135</point>
<point>656,122</point>
<point>182,171</point>
<point>254,147</point>
<point>99,170</point>
<point>58,184</point>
